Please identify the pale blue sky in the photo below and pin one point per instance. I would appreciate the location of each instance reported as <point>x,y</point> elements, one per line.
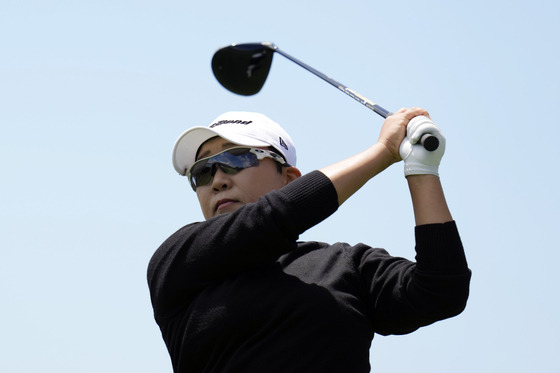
<point>93,95</point>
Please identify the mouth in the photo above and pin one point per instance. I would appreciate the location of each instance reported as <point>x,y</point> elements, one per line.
<point>222,204</point>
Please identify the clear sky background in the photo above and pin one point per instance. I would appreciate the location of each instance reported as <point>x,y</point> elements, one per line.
<point>93,95</point>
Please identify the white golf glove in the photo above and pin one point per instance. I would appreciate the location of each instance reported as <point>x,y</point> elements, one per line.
<point>418,160</point>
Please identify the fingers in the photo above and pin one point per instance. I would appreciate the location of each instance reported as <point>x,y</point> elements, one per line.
<point>409,113</point>
<point>394,129</point>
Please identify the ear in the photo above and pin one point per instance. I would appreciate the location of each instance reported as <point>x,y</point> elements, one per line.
<point>290,174</point>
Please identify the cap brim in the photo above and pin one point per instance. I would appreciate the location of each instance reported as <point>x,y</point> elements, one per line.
<point>188,143</point>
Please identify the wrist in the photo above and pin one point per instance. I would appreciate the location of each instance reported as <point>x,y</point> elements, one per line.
<point>425,179</point>
<point>412,168</point>
<point>385,154</point>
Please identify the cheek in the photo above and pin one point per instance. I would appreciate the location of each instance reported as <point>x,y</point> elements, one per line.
<point>203,200</point>
<point>269,180</point>
<point>255,182</point>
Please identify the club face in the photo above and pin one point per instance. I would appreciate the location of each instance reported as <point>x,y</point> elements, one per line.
<point>242,68</point>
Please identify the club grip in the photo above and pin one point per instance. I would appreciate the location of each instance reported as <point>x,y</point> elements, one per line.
<point>429,142</point>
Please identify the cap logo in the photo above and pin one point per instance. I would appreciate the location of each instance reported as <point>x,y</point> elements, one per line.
<point>282,143</point>
<point>219,123</point>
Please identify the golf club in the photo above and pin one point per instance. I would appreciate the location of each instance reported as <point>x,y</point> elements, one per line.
<point>243,69</point>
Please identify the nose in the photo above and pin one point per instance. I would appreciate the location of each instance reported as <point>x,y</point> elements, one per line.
<point>221,180</point>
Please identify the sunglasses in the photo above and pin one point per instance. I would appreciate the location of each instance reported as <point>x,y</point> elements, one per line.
<point>230,161</point>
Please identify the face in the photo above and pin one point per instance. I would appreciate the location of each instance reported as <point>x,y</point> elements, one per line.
<point>226,193</point>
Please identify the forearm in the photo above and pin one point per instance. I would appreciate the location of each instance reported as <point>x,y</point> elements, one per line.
<point>428,200</point>
<point>352,173</point>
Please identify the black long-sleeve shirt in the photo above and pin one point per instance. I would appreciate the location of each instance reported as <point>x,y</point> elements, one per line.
<point>238,293</point>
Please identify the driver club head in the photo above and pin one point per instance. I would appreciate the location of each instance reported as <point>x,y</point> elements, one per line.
<point>243,68</point>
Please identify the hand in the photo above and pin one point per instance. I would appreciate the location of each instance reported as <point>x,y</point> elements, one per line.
<point>394,129</point>
<point>417,160</point>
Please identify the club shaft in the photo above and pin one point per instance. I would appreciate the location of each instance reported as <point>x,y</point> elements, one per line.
<point>429,142</point>
<point>350,92</point>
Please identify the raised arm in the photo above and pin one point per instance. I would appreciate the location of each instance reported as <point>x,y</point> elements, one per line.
<point>351,174</point>
<point>405,295</point>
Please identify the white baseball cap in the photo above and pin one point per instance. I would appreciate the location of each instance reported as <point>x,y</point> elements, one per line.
<point>238,127</point>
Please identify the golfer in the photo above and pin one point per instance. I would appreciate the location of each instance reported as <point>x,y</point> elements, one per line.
<point>239,293</point>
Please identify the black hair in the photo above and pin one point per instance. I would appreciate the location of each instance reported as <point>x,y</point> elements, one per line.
<point>279,166</point>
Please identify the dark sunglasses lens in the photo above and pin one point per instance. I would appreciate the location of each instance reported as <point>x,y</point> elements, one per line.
<point>201,174</point>
<point>228,169</point>
<point>230,162</point>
